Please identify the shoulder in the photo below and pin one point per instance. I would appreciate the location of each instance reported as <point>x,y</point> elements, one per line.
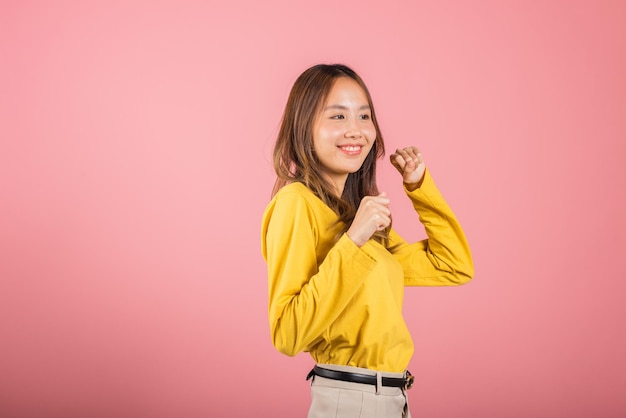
<point>296,195</point>
<point>291,209</point>
<point>297,189</point>
<point>289,200</point>
<point>297,202</point>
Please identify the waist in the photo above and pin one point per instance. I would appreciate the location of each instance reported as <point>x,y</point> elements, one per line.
<point>362,376</point>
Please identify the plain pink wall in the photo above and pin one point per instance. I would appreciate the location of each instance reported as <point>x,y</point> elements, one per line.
<point>135,166</point>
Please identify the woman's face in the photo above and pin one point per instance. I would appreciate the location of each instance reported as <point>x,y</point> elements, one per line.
<point>343,133</point>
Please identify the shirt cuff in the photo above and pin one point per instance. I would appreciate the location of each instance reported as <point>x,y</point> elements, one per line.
<point>356,253</point>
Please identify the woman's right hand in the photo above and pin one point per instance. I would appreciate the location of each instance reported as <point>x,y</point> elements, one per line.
<point>372,215</point>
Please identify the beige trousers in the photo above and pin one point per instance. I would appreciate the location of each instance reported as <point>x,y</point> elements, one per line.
<point>335,398</point>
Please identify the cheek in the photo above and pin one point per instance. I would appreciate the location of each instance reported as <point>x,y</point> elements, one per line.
<point>324,137</point>
<point>371,133</point>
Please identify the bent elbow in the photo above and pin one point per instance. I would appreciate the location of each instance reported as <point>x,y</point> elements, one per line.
<point>464,278</point>
<point>284,347</point>
<point>465,272</point>
<point>284,341</point>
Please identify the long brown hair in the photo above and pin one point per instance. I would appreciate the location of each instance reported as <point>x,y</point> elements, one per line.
<point>294,159</point>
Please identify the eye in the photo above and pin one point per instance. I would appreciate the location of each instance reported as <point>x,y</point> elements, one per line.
<point>365,117</point>
<point>337,117</point>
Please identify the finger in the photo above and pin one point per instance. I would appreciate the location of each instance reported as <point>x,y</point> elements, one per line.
<point>372,205</point>
<point>406,153</point>
<point>380,199</point>
<point>417,155</point>
<point>383,198</point>
<point>375,210</point>
<point>414,158</point>
<point>381,221</point>
<point>383,209</point>
<point>398,161</point>
<point>412,152</point>
<point>410,162</point>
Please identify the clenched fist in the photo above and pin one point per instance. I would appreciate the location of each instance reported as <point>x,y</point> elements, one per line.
<point>408,161</point>
<point>372,215</point>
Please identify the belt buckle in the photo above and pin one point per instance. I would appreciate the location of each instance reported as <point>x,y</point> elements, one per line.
<point>409,380</point>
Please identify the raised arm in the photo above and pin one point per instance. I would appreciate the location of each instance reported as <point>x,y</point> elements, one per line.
<point>444,258</point>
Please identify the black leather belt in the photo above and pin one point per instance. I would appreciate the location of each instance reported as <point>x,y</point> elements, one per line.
<point>396,382</point>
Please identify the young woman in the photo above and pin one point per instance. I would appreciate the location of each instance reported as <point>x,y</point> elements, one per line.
<point>336,268</point>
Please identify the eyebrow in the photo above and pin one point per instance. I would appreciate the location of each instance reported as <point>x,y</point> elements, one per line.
<point>341,107</point>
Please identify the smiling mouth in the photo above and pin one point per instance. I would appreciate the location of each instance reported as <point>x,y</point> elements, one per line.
<point>351,148</point>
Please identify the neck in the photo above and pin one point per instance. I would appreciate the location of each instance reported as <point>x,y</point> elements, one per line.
<point>338,184</point>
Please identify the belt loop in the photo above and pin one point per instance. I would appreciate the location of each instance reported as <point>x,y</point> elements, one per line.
<point>409,379</point>
<point>379,382</point>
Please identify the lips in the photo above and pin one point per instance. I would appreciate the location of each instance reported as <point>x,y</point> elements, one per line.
<point>351,149</point>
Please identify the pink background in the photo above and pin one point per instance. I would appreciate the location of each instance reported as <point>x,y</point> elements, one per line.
<point>135,166</point>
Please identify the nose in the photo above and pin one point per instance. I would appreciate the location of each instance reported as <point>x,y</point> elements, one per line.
<point>353,130</point>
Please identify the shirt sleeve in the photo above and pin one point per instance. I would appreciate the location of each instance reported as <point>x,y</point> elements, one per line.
<point>304,297</point>
<point>444,258</point>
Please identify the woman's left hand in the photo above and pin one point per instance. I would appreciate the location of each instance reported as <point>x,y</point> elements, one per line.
<point>408,161</point>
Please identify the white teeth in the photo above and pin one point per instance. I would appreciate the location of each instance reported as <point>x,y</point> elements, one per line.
<point>351,148</point>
